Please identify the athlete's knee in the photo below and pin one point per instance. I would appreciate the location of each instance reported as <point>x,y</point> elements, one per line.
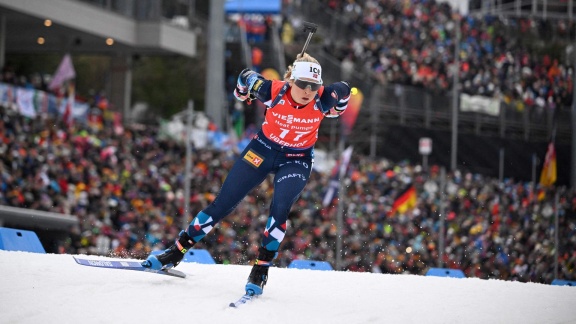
<point>274,233</point>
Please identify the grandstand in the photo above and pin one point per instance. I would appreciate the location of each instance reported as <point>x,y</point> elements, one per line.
<point>405,100</point>
<point>124,188</point>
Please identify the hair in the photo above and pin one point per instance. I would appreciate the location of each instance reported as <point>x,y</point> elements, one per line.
<point>299,58</point>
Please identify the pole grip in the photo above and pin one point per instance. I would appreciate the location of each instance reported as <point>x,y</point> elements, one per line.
<point>311,29</point>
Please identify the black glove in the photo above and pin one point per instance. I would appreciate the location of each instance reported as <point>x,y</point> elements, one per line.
<point>338,100</point>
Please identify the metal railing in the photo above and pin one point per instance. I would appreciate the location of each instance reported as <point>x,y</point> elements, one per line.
<point>417,107</point>
<point>545,9</point>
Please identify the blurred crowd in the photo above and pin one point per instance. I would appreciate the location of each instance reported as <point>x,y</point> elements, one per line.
<point>34,81</point>
<point>126,189</point>
<point>413,43</point>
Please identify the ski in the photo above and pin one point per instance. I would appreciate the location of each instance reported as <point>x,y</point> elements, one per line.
<point>127,265</point>
<point>243,300</point>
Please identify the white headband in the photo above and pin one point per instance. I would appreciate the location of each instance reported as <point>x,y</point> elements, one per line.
<point>308,70</point>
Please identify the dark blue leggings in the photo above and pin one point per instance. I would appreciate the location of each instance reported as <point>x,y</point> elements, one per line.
<point>261,157</point>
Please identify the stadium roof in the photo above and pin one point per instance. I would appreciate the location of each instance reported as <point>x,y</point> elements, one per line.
<point>80,27</point>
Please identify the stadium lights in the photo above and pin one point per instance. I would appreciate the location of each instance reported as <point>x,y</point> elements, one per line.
<point>109,41</point>
<point>47,22</point>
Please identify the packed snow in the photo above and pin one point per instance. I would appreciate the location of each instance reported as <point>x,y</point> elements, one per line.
<point>53,288</point>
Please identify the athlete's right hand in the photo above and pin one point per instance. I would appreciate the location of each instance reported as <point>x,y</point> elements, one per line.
<point>240,94</point>
<point>241,91</point>
<point>244,84</point>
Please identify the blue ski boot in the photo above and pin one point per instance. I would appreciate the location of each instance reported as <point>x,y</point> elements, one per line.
<point>171,256</point>
<point>259,274</point>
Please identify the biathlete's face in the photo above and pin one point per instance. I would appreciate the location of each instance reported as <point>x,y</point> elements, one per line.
<point>303,90</point>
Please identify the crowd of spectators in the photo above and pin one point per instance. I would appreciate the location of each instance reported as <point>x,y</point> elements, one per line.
<point>35,81</point>
<point>126,189</point>
<point>413,43</point>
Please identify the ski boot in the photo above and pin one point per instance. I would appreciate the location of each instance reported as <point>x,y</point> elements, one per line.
<point>259,274</point>
<point>171,256</point>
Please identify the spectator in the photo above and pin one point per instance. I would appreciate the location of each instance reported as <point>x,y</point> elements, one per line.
<point>257,56</point>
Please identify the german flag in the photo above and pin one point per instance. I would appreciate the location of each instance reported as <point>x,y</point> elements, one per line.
<point>548,175</point>
<point>405,201</point>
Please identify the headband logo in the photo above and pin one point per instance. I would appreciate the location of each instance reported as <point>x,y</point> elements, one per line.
<point>315,70</point>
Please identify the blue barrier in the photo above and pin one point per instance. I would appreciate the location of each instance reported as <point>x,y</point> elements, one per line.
<point>12,239</point>
<point>443,272</point>
<point>310,265</point>
<point>195,255</point>
<point>559,282</point>
<point>199,256</point>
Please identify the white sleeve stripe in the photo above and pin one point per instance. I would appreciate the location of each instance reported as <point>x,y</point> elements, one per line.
<point>343,100</point>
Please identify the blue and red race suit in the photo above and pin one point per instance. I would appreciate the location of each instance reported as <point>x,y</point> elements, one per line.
<point>283,147</point>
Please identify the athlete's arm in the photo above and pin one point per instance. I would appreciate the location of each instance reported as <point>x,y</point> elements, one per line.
<point>251,85</point>
<point>335,98</point>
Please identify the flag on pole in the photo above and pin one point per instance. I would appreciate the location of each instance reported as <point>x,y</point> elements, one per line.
<point>405,201</point>
<point>64,73</point>
<point>349,117</point>
<point>68,114</point>
<point>340,168</point>
<point>548,175</point>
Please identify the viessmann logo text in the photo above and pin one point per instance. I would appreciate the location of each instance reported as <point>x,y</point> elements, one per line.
<point>291,119</point>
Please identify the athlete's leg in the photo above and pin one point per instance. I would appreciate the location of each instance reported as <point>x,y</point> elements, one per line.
<point>247,172</point>
<point>289,181</point>
<point>252,167</point>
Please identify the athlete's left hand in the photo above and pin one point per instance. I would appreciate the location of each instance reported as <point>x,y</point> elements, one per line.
<point>333,113</point>
<point>341,93</point>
